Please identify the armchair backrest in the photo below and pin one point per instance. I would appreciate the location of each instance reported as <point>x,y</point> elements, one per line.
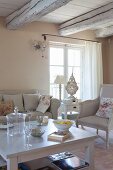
<point>106,91</point>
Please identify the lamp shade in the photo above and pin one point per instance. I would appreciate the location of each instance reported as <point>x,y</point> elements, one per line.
<point>59,79</point>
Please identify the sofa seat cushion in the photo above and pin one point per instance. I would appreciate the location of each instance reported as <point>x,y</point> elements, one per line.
<point>30,101</point>
<point>94,122</point>
<point>35,114</point>
<point>17,100</point>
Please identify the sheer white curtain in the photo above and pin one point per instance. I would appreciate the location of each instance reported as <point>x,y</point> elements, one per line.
<point>92,70</point>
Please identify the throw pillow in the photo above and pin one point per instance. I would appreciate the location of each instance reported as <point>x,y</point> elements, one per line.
<point>31,101</point>
<point>105,108</point>
<point>17,100</point>
<point>6,107</point>
<point>44,103</point>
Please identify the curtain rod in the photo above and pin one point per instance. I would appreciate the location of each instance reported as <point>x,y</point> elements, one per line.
<point>68,37</point>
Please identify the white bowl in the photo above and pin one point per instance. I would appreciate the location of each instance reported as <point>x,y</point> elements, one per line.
<point>62,124</point>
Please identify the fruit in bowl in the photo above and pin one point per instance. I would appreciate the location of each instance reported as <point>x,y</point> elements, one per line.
<point>63,125</point>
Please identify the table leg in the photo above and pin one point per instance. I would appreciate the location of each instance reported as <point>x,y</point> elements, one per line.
<point>12,164</point>
<point>89,155</point>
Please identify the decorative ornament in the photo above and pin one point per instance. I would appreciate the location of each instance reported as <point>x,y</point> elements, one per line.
<point>40,45</point>
<point>71,87</point>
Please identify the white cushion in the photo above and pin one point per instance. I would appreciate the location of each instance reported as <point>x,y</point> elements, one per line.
<point>17,100</point>
<point>44,103</point>
<point>105,108</point>
<point>31,101</point>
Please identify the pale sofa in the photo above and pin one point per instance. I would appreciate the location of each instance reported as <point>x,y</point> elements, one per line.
<point>28,100</point>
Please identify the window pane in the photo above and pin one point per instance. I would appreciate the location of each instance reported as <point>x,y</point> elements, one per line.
<point>73,57</point>
<point>56,56</point>
<point>54,71</point>
<point>54,90</point>
<point>64,60</point>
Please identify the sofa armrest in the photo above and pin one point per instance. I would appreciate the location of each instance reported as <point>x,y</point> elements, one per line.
<point>88,107</point>
<point>55,104</point>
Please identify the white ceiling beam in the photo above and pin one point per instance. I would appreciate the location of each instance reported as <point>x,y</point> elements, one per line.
<point>104,32</point>
<point>89,20</point>
<point>33,11</point>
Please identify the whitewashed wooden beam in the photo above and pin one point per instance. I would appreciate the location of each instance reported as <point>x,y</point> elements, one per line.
<point>90,20</point>
<point>104,32</point>
<point>33,11</point>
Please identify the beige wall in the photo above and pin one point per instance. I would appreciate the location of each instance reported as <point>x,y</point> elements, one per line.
<point>20,66</point>
<point>105,61</point>
<point>108,69</point>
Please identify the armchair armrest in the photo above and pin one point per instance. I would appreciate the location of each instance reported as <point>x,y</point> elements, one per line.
<point>88,107</point>
<point>55,104</point>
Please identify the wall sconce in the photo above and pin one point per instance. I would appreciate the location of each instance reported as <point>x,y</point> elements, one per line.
<point>40,45</point>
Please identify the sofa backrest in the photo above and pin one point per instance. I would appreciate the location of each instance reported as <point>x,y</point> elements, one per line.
<point>17,96</point>
<point>31,91</point>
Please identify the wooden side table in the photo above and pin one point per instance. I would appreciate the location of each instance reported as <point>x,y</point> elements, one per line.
<point>70,107</point>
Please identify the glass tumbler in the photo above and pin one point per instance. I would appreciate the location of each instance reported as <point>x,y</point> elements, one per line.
<point>10,125</point>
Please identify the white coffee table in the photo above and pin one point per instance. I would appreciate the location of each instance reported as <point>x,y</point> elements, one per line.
<point>13,151</point>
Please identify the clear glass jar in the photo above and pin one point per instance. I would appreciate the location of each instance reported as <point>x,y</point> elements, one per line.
<point>15,122</point>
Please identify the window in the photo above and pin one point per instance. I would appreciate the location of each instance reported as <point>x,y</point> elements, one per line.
<point>65,59</point>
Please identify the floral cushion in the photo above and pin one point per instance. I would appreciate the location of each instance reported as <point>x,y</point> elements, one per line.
<point>44,103</point>
<point>6,107</point>
<point>105,108</point>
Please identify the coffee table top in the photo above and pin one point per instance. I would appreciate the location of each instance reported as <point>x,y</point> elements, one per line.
<point>13,146</point>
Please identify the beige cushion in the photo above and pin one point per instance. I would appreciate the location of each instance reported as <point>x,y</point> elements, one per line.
<point>94,122</point>
<point>6,107</point>
<point>31,101</point>
<point>44,103</point>
<point>17,100</point>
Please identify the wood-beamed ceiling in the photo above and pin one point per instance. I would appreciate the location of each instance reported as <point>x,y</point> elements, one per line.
<point>96,19</point>
<point>72,15</point>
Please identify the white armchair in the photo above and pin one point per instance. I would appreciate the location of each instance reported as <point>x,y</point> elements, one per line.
<point>88,109</point>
